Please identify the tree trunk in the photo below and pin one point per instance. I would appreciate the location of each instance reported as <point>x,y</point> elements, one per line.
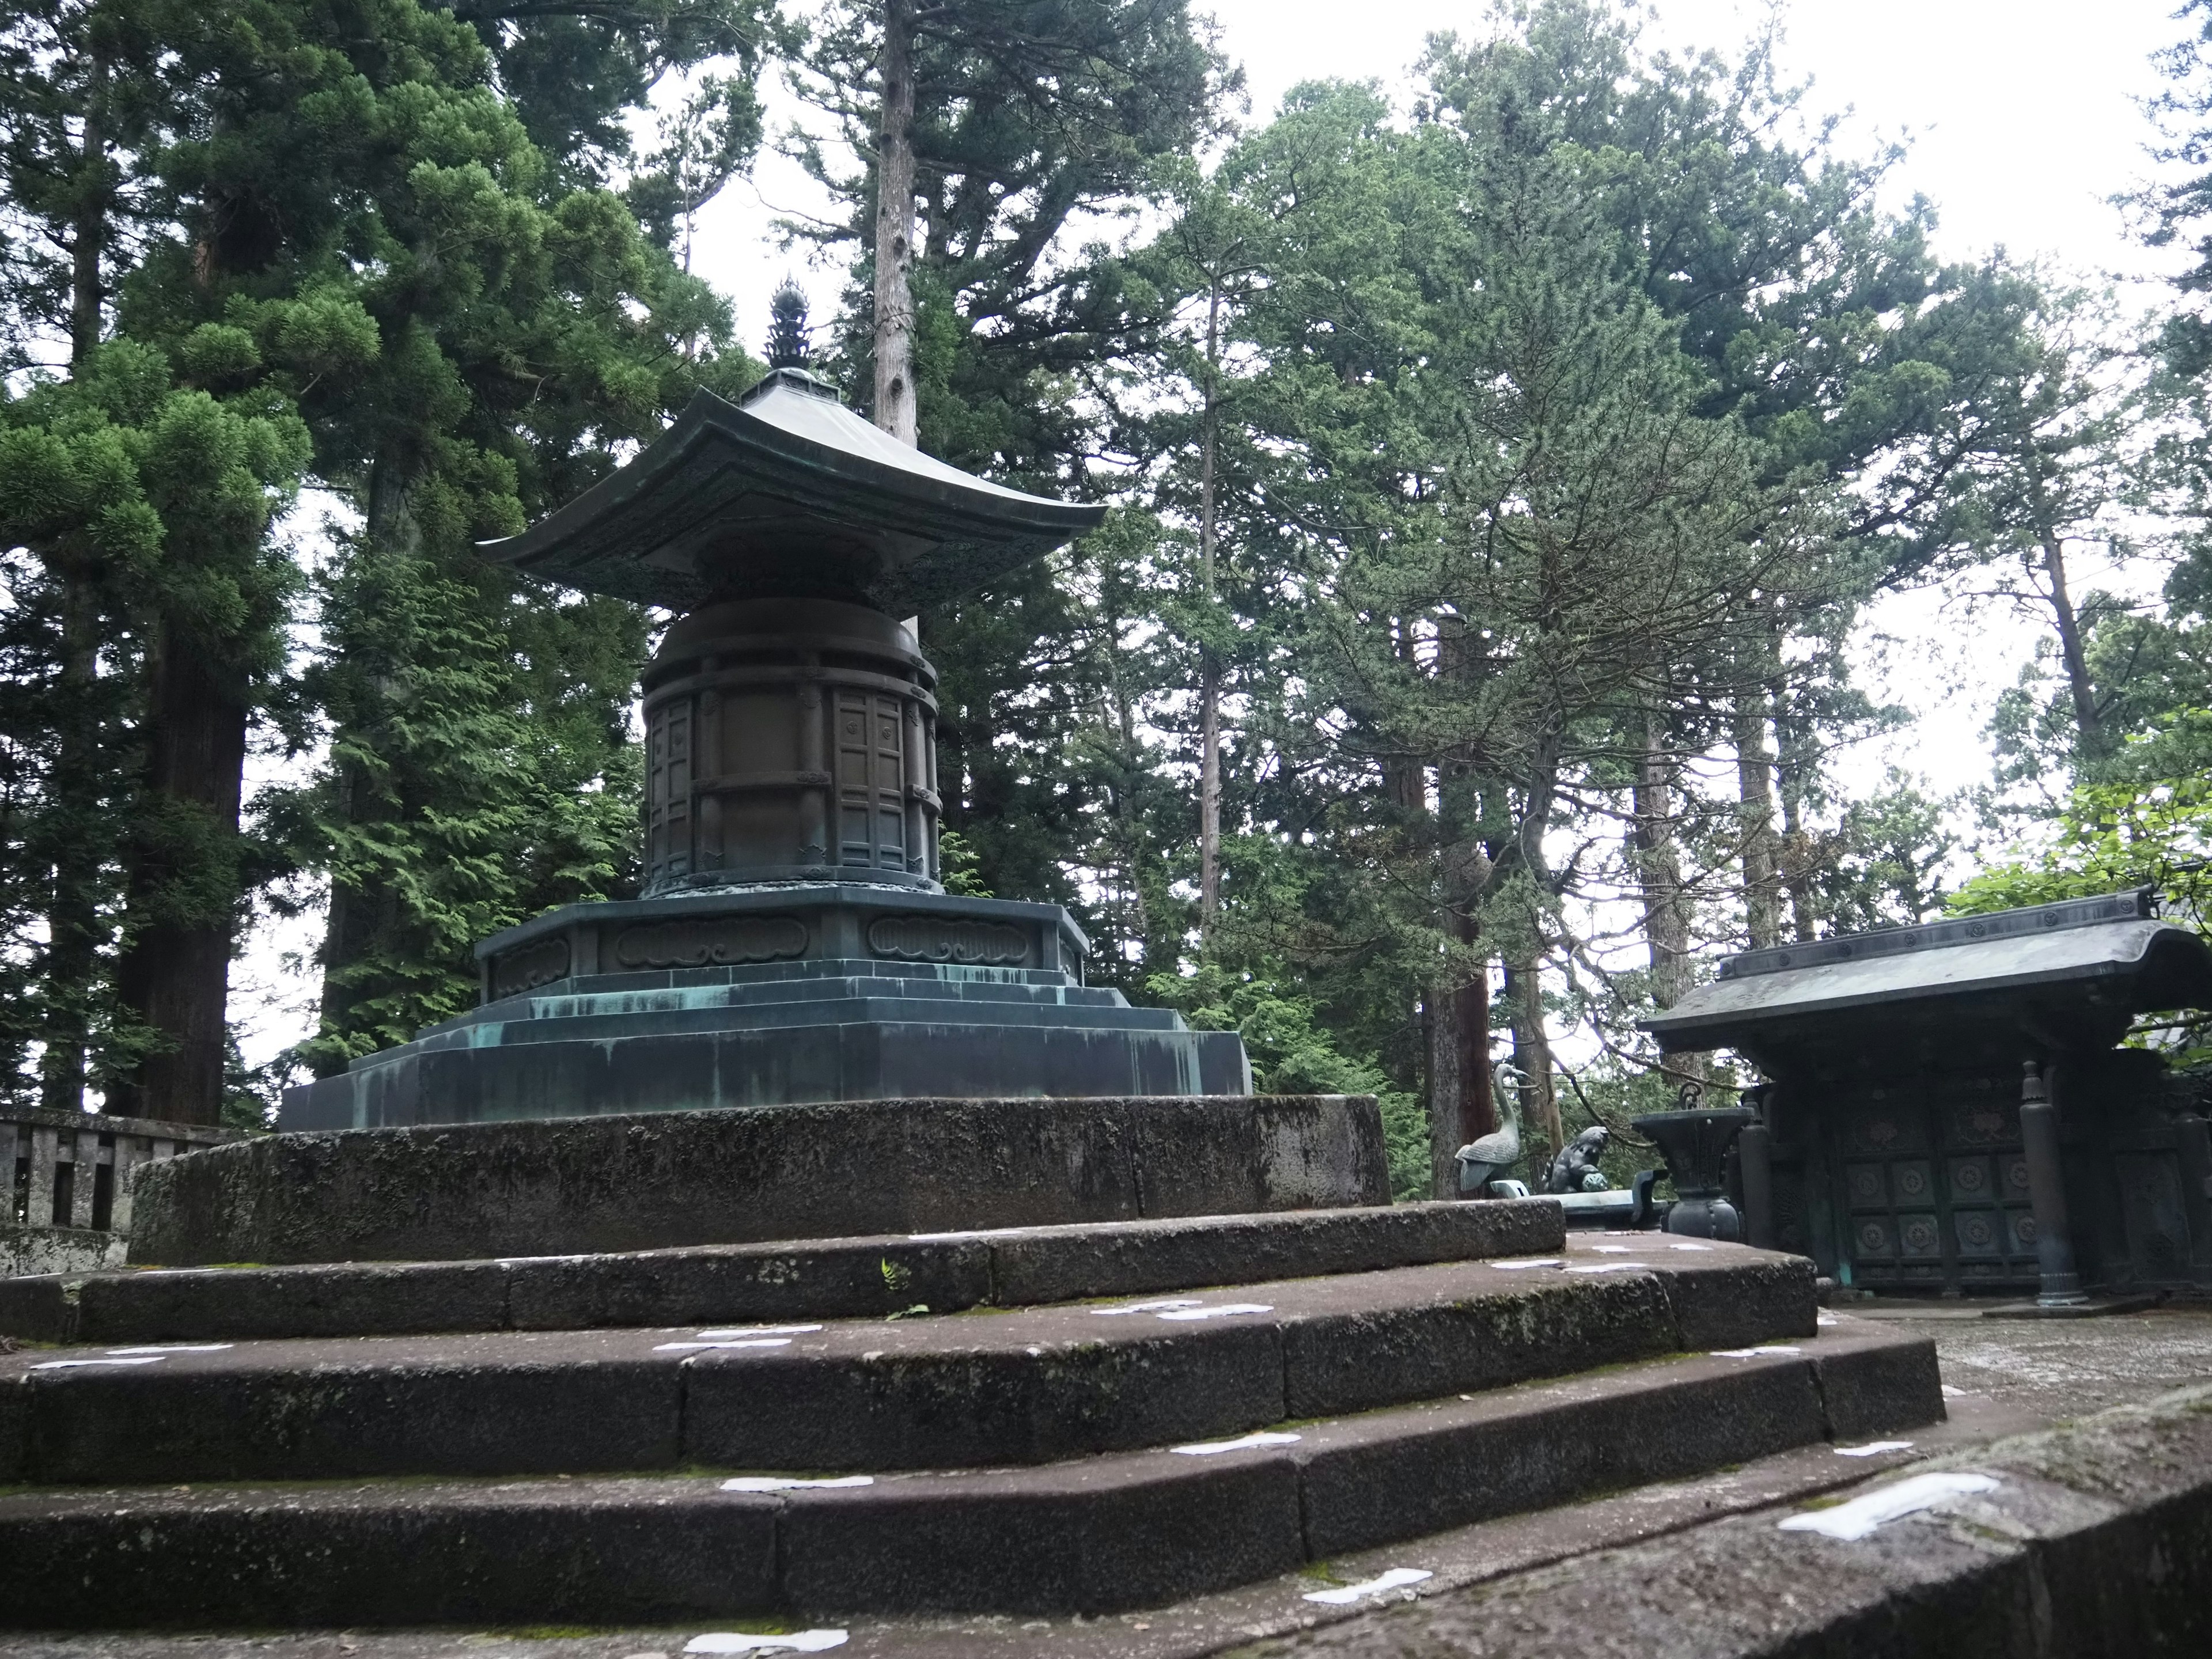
<point>1658,862</point>
<point>1405,778</point>
<point>359,915</point>
<point>1659,869</point>
<point>1137,922</point>
<point>2088,722</point>
<point>1209,669</point>
<point>1460,1107</point>
<point>1791,768</point>
<point>174,973</point>
<point>1754,773</point>
<point>88,239</point>
<point>74,933</point>
<point>893,339</point>
<point>1531,1056</point>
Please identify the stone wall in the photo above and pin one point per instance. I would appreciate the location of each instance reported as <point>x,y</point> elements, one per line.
<point>652,1180</point>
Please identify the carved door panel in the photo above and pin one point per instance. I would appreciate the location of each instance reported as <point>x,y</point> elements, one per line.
<point>1893,1232</point>
<point>1934,1192</point>
<point>668,791</point>
<point>871,781</point>
<point>1986,1190</point>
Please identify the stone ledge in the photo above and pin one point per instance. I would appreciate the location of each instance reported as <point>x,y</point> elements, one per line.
<point>833,1279</point>
<point>1027,1386</point>
<point>655,1180</point>
<point>33,1251</point>
<point>1121,1530</point>
<point>2096,1539</point>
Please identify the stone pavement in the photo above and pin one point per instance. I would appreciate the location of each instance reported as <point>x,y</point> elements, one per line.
<point>2003,1377</point>
<point>2013,1375</point>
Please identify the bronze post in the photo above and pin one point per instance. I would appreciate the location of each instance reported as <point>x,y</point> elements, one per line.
<point>1754,1152</point>
<point>2046,1186</point>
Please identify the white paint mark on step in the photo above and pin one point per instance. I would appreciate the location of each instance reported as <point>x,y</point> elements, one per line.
<point>1397,1578</point>
<point>1826,1321</point>
<point>1242,1443</point>
<point>1146,1307</point>
<point>158,1349</point>
<point>1950,1393</point>
<point>800,1641</point>
<point>749,1342</point>
<point>1862,1516</point>
<point>757,1330</point>
<point>1531,1262</point>
<point>1873,1448</point>
<point>1611,1249</point>
<point>1758,1352</point>
<point>73,1364</point>
<point>1222,1310</point>
<point>793,1483</point>
<point>1609,1267</point>
<point>1684,1244</point>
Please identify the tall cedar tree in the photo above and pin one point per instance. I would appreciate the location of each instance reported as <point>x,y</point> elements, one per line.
<point>528,323</point>
<point>1032,120</point>
<point>1821,325</point>
<point>338,208</point>
<point>166,601</point>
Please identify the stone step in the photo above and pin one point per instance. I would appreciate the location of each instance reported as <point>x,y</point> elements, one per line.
<point>857,1006</point>
<point>662,1180</point>
<point>1027,1386</point>
<point>672,988</point>
<point>869,1278</point>
<point>593,998</point>
<point>2088,1538</point>
<point>1096,1535</point>
<point>732,1066</point>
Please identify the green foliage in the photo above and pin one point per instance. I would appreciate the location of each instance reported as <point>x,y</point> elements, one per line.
<point>1882,867</point>
<point>959,865</point>
<point>1292,1055</point>
<point>2109,838</point>
<point>526,790</point>
<point>472,319</point>
<point>1551,435</point>
<point>1036,122</point>
<point>150,501</point>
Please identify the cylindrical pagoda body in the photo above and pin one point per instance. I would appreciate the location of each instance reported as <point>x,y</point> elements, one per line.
<point>789,740</point>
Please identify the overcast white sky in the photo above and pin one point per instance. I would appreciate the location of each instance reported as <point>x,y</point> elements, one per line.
<point>2024,110</point>
<point>2023,114</point>
<point>2023,118</point>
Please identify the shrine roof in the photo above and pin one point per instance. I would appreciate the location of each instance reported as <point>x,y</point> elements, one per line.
<point>788,493</point>
<point>2112,951</point>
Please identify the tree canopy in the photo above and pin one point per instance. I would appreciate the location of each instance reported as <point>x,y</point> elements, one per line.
<point>1502,477</point>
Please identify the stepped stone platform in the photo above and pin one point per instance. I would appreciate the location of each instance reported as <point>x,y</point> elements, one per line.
<point>1049,1456</point>
<point>661,1179</point>
<point>793,992</point>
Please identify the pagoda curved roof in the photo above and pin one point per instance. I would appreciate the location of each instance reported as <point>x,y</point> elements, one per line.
<point>789,494</point>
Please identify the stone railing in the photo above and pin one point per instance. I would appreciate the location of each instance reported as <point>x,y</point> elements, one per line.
<point>69,1174</point>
